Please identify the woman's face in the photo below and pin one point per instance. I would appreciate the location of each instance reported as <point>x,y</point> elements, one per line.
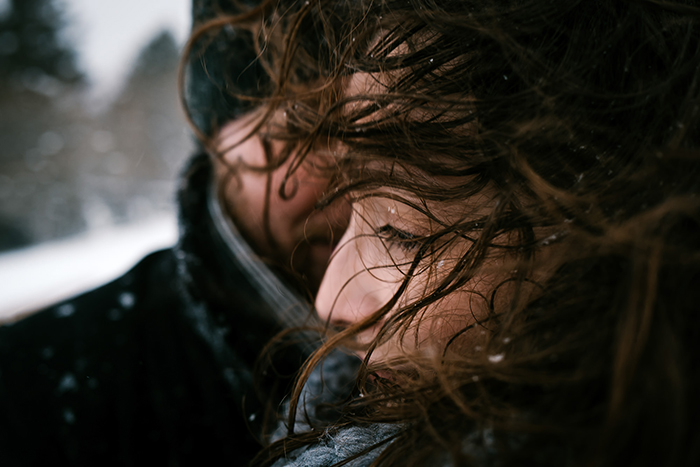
<point>371,261</point>
<point>375,254</point>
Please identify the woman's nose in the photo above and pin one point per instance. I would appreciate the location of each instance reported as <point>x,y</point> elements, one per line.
<point>352,288</point>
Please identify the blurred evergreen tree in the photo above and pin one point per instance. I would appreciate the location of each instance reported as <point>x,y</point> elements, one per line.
<point>31,44</point>
<point>161,55</point>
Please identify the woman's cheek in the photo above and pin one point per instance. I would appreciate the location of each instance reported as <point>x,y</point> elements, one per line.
<point>455,314</point>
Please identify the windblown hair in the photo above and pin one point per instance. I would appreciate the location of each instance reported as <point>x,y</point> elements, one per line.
<point>575,124</point>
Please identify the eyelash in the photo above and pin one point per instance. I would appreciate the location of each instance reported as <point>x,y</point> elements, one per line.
<point>404,240</point>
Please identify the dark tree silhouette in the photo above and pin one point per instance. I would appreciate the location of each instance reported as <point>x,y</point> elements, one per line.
<point>30,42</point>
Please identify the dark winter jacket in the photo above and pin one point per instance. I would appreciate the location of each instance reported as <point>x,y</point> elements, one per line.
<point>153,368</point>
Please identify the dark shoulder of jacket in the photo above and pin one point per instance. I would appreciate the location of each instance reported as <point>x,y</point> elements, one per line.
<point>115,376</point>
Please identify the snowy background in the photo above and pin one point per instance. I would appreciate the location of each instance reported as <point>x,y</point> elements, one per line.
<point>91,141</point>
<point>109,35</point>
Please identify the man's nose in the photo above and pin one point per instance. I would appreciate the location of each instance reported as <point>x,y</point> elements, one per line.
<point>350,291</point>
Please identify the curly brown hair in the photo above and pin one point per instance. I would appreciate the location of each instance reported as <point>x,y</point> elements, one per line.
<point>579,120</point>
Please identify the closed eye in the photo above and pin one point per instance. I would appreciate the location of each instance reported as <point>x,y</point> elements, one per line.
<point>405,240</point>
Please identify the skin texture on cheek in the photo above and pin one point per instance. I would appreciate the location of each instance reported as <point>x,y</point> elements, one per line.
<point>368,267</point>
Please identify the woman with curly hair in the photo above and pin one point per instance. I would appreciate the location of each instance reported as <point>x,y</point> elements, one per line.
<point>420,233</point>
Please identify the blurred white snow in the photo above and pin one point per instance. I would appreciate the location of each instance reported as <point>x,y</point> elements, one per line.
<point>45,274</point>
